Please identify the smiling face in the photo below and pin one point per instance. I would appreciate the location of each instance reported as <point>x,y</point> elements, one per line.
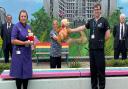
<point>122,18</point>
<point>55,24</point>
<point>97,11</point>
<point>23,17</point>
<point>9,19</point>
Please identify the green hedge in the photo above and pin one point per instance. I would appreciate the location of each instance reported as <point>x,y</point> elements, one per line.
<point>74,63</point>
<point>4,66</point>
<point>117,63</point>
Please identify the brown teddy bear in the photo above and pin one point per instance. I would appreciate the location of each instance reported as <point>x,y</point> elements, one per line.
<point>64,30</point>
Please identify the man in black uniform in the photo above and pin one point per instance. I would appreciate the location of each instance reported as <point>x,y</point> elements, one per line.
<point>99,31</point>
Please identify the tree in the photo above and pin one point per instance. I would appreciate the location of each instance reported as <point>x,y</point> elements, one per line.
<point>41,25</point>
<point>113,19</point>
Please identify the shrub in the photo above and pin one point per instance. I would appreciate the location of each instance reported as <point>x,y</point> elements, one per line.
<point>75,64</point>
<point>117,63</point>
<point>4,66</point>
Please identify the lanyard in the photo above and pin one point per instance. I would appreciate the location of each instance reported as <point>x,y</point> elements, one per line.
<point>94,26</point>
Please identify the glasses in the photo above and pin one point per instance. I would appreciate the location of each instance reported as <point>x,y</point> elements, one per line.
<point>97,9</point>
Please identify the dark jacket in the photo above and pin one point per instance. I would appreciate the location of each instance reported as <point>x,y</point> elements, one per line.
<point>6,35</point>
<point>116,34</point>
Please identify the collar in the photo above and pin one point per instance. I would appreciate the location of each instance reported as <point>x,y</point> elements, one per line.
<point>9,24</point>
<point>121,24</point>
<point>97,18</point>
<point>24,25</point>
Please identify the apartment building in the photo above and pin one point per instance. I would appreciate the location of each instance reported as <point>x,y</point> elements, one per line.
<point>76,10</point>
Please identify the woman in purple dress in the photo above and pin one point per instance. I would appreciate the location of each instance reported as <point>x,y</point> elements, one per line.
<point>21,66</point>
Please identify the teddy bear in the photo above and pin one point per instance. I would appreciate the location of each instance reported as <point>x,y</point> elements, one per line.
<point>63,30</point>
<point>63,34</point>
<point>30,37</point>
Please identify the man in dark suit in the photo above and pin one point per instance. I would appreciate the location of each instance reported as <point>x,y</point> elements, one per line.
<point>120,33</point>
<point>6,37</point>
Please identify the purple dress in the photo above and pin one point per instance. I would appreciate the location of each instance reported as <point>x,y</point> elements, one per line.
<point>21,65</point>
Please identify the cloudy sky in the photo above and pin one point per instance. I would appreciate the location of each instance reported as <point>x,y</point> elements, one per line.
<point>124,4</point>
<point>14,6</point>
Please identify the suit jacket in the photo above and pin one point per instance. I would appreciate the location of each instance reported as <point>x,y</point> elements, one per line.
<point>116,34</point>
<point>6,35</point>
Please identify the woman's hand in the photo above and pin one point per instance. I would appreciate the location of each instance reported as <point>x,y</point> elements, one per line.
<point>28,43</point>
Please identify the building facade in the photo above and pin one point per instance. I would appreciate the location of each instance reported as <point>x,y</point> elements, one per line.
<point>108,6</point>
<point>77,10</point>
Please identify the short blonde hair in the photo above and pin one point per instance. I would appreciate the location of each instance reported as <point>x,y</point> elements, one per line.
<point>65,22</point>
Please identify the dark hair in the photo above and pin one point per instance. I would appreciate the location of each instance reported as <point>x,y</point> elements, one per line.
<point>8,15</point>
<point>97,5</point>
<point>23,11</point>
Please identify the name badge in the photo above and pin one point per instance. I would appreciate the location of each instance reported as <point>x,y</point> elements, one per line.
<point>18,52</point>
<point>92,36</point>
<point>54,35</point>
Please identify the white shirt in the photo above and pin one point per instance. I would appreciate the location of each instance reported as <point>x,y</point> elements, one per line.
<point>8,25</point>
<point>121,29</point>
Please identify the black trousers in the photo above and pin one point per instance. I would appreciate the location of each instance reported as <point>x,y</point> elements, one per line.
<point>120,49</point>
<point>97,68</point>
<point>6,51</point>
<point>55,62</point>
<point>20,82</point>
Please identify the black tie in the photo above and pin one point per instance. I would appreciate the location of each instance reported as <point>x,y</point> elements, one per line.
<point>122,32</point>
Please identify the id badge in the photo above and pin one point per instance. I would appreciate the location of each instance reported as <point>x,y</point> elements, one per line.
<point>18,52</point>
<point>92,36</point>
<point>54,35</point>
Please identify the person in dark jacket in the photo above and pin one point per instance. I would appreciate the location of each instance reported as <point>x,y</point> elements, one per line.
<point>6,37</point>
<point>120,33</point>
